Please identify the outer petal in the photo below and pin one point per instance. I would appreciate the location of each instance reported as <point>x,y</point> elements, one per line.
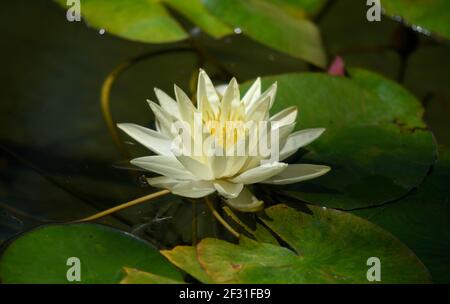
<point>299,139</point>
<point>185,106</point>
<point>167,103</point>
<point>163,118</point>
<point>286,116</point>
<point>227,189</point>
<point>149,138</point>
<point>252,94</point>
<point>162,182</point>
<point>271,92</point>
<point>259,110</point>
<point>193,189</point>
<point>164,165</point>
<point>198,169</point>
<point>259,174</point>
<point>245,202</point>
<point>296,173</point>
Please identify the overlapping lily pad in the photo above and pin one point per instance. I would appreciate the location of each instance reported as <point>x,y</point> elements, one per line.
<point>281,25</point>
<point>371,165</point>
<point>375,137</point>
<point>148,21</point>
<point>328,246</point>
<point>134,276</point>
<point>40,256</point>
<point>422,219</point>
<point>430,15</point>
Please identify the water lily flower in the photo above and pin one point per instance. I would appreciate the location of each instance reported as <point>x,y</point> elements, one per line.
<point>197,176</point>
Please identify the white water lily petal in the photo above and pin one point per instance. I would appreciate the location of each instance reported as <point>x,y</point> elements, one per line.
<point>230,100</point>
<point>271,92</point>
<point>286,116</point>
<point>296,173</point>
<point>259,110</point>
<point>167,103</point>
<point>226,166</point>
<point>164,165</point>
<point>245,202</point>
<point>259,174</point>
<point>162,182</point>
<point>149,138</point>
<point>227,189</point>
<point>185,106</point>
<point>252,93</point>
<point>163,118</point>
<point>199,170</point>
<point>205,88</point>
<point>234,165</point>
<point>299,139</point>
<point>284,131</point>
<point>193,189</point>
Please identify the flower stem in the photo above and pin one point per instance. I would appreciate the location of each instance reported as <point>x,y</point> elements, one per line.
<point>123,206</point>
<point>221,219</point>
<point>194,223</point>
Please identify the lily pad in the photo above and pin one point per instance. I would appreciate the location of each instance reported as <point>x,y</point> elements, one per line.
<point>404,105</point>
<point>430,15</point>
<point>134,276</point>
<point>329,246</point>
<point>422,219</point>
<point>375,137</point>
<point>148,21</point>
<point>283,29</point>
<point>41,255</point>
<point>371,165</point>
<point>331,102</point>
<point>196,12</point>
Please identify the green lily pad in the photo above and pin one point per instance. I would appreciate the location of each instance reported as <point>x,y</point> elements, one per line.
<point>196,12</point>
<point>331,102</point>
<point>329,246</point>
<point>422,219</point>
<point>430,15</point>
<point>284,30</point>
<point>134,276</point>
<point>375,137</point>
<point>371,165</point>
<point>185,258</point>
<point>300,8</point>
<point>403,104</point>
<point>41,255</point>
<point>137,20</point>
<point>148,21</point>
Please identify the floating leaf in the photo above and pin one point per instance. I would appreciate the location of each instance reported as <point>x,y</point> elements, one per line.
<point>422,219</point>
<point>40,256</point>
<point>428,15</point>
<point>148,21</point>
<point>273,25</point>
<point>199,15</point>
<point>185,257</point>
<point>331,102</point>
<point>134,276</point>
<point>137,20</point>
<point>405,106</point>
<point>329,247</point>
<point>365,159</point>
<point>374,138</point>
